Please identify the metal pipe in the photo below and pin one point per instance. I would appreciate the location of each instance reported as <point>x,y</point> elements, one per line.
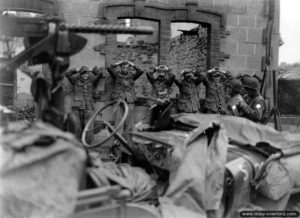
<point>109,29</point>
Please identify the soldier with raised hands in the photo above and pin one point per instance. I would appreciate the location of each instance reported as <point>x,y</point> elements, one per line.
<point>188,101</point>
<point>124,74</point>
<point>215,81</point>
<point>82,102</point>
<point>163,81</point>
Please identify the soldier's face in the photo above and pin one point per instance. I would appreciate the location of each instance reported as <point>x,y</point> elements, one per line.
<point>125,68</point>
<point>251,92</point>
<point>217,78</point>
<point>161,74</point>
<point>188,76</point>
<point>85,75</point>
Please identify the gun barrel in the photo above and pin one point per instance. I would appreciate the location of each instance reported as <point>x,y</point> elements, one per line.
<point>109,29</point>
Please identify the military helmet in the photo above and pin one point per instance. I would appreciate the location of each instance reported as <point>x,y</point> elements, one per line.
<point>251,83</point>
<point>236,85</point>
<point>83,69</point>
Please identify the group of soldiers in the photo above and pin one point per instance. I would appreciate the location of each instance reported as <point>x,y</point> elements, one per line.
<point>225,94</point>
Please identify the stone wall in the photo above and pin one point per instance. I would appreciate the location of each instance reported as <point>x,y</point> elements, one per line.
<point>189,50</point>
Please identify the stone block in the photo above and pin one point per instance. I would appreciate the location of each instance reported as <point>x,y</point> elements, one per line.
<point>256,7</point>
<point>94,7</point>
<point>238,6</point>
<point>254,62</point>
<point>222,5</point>
<point>232,20</point>
<point>260,50</point>
<point>87,20</point>
<point>245,49</point>
<point>260,21</point>
<point>229,47</point>
<point>72,19</point>
<point>205,3</point>
<point>259,73</point>
<point>247,20</point>
<point>237,62</point>
<point>65,8</point>
<point>80,9</point>
<point>238,33</point>
<point>255,35</point>
<point>239,72</point>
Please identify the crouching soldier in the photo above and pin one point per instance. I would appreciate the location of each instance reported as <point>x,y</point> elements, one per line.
<point>161,111</point>
<point>124,78</point>
<point>188,101</point>
<point>215,82</point>
<point>255,106</point>
<point>234,88</point>
<point>82,103</point>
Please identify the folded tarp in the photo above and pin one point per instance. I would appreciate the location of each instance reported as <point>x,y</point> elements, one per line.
<point>196,186</point>
<point>40,171</point>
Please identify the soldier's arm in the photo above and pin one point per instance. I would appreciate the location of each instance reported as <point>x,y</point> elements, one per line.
<point>72,75</point>
<point>150,76</point>
<point>200,77</point>
<point>197,78</point>
<point>171,79</point>
<point>112,70</point>
<point>228,76</point>
<point>256,113</point>
<point>138,72</point>
<point>97,73</point>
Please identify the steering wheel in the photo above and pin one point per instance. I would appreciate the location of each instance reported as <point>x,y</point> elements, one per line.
<point>114,131</point>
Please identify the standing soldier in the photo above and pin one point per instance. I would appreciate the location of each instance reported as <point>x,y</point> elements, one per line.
<point>82,103</point>
<point>215,82</point>
<point>124,89</point>
<point>254,108</point>
<point>188,101</point>
<point>163,81</point>
<point>234,88</point>
<point>160,84</point>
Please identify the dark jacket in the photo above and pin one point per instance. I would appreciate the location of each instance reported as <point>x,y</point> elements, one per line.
<point>188,101</point>
<point>124,84</point>
<point>254,109</point>
<point>160,85</point>
<point>233,106</point>
<point>216,97</point>
<point>82,95</point>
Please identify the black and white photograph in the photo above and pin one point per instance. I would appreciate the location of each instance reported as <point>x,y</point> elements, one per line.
<point>149,108</point>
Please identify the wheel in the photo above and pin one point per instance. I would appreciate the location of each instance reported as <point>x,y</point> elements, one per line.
<point>114,131</point>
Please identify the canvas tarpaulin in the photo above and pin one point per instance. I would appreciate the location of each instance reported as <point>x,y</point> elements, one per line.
<point>248,132</point>
<point>196,186</point>
<point>134,179</point>
<point>242,130</point>
<point>40,171</point>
